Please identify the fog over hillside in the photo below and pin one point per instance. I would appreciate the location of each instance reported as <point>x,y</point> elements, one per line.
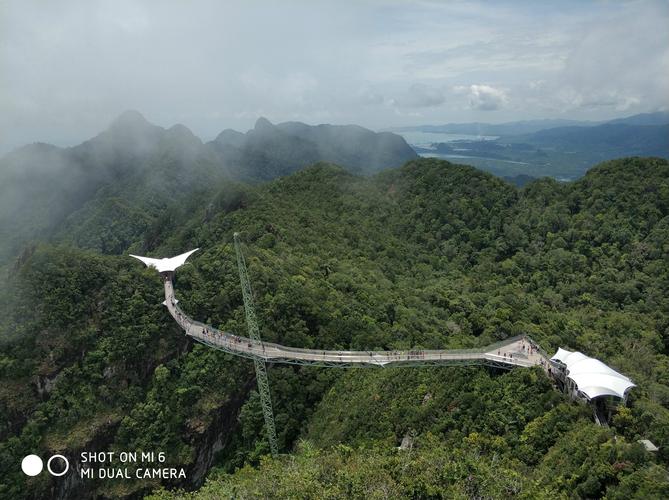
<point>70,67</point>
<point>139,169</point>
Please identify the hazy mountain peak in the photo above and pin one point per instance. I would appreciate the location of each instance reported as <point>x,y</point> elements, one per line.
<point>129,118</point>
<point>230,136</point>
<point>34,147</point>
<point>655,118</point>
<point>263,124</point>
<point>180,130</point>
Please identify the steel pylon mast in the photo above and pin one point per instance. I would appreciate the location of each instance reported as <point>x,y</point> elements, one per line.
<point>254,334</point>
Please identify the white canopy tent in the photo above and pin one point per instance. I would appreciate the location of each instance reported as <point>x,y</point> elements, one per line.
<point>592,377</point>
<point>165,264</point>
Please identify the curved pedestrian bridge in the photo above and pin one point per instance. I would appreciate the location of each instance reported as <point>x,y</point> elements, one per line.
<point>512,352</point>
<point>582,377</point>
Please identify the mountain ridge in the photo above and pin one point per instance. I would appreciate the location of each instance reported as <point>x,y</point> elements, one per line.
<point>136,163</point>
<point>523,127</point>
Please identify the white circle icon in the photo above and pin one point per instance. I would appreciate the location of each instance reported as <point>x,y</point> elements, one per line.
<point>61,473</point>
<point>31,465</point>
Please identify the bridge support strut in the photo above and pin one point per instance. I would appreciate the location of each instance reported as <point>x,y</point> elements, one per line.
<point>254,334</point>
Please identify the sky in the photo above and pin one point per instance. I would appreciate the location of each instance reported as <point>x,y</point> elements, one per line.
<point>68,68</point>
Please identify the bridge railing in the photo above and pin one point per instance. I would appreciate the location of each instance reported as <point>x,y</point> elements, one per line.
<point>255,348</point>
<point>392,354</point>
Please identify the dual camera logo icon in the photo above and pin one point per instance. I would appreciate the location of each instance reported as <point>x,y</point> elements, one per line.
<point>33,465</point>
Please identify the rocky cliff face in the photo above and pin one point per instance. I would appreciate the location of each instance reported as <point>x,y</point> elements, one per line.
<point>216,436</point>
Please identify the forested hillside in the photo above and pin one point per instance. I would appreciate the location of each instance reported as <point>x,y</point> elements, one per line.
<point>430,255</point>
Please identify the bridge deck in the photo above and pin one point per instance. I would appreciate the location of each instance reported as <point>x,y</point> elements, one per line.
<point>517,351</point>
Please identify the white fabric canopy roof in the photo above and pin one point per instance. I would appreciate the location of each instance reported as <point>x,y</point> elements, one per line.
<point>165,264</point>
<point>593,377</point>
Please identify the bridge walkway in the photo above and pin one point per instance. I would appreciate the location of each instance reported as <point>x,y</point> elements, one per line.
<point>518,351</point>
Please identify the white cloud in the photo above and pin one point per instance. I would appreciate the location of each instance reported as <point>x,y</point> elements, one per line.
<point>68,68</point>
<point>483,97</point>
<point>370,97</point>
<point>420,95</point>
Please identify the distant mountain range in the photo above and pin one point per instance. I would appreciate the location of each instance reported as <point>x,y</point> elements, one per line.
<point>134,169</point>
<point>531,126</point>
<point>562,149</point>
<point>618,138</point>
